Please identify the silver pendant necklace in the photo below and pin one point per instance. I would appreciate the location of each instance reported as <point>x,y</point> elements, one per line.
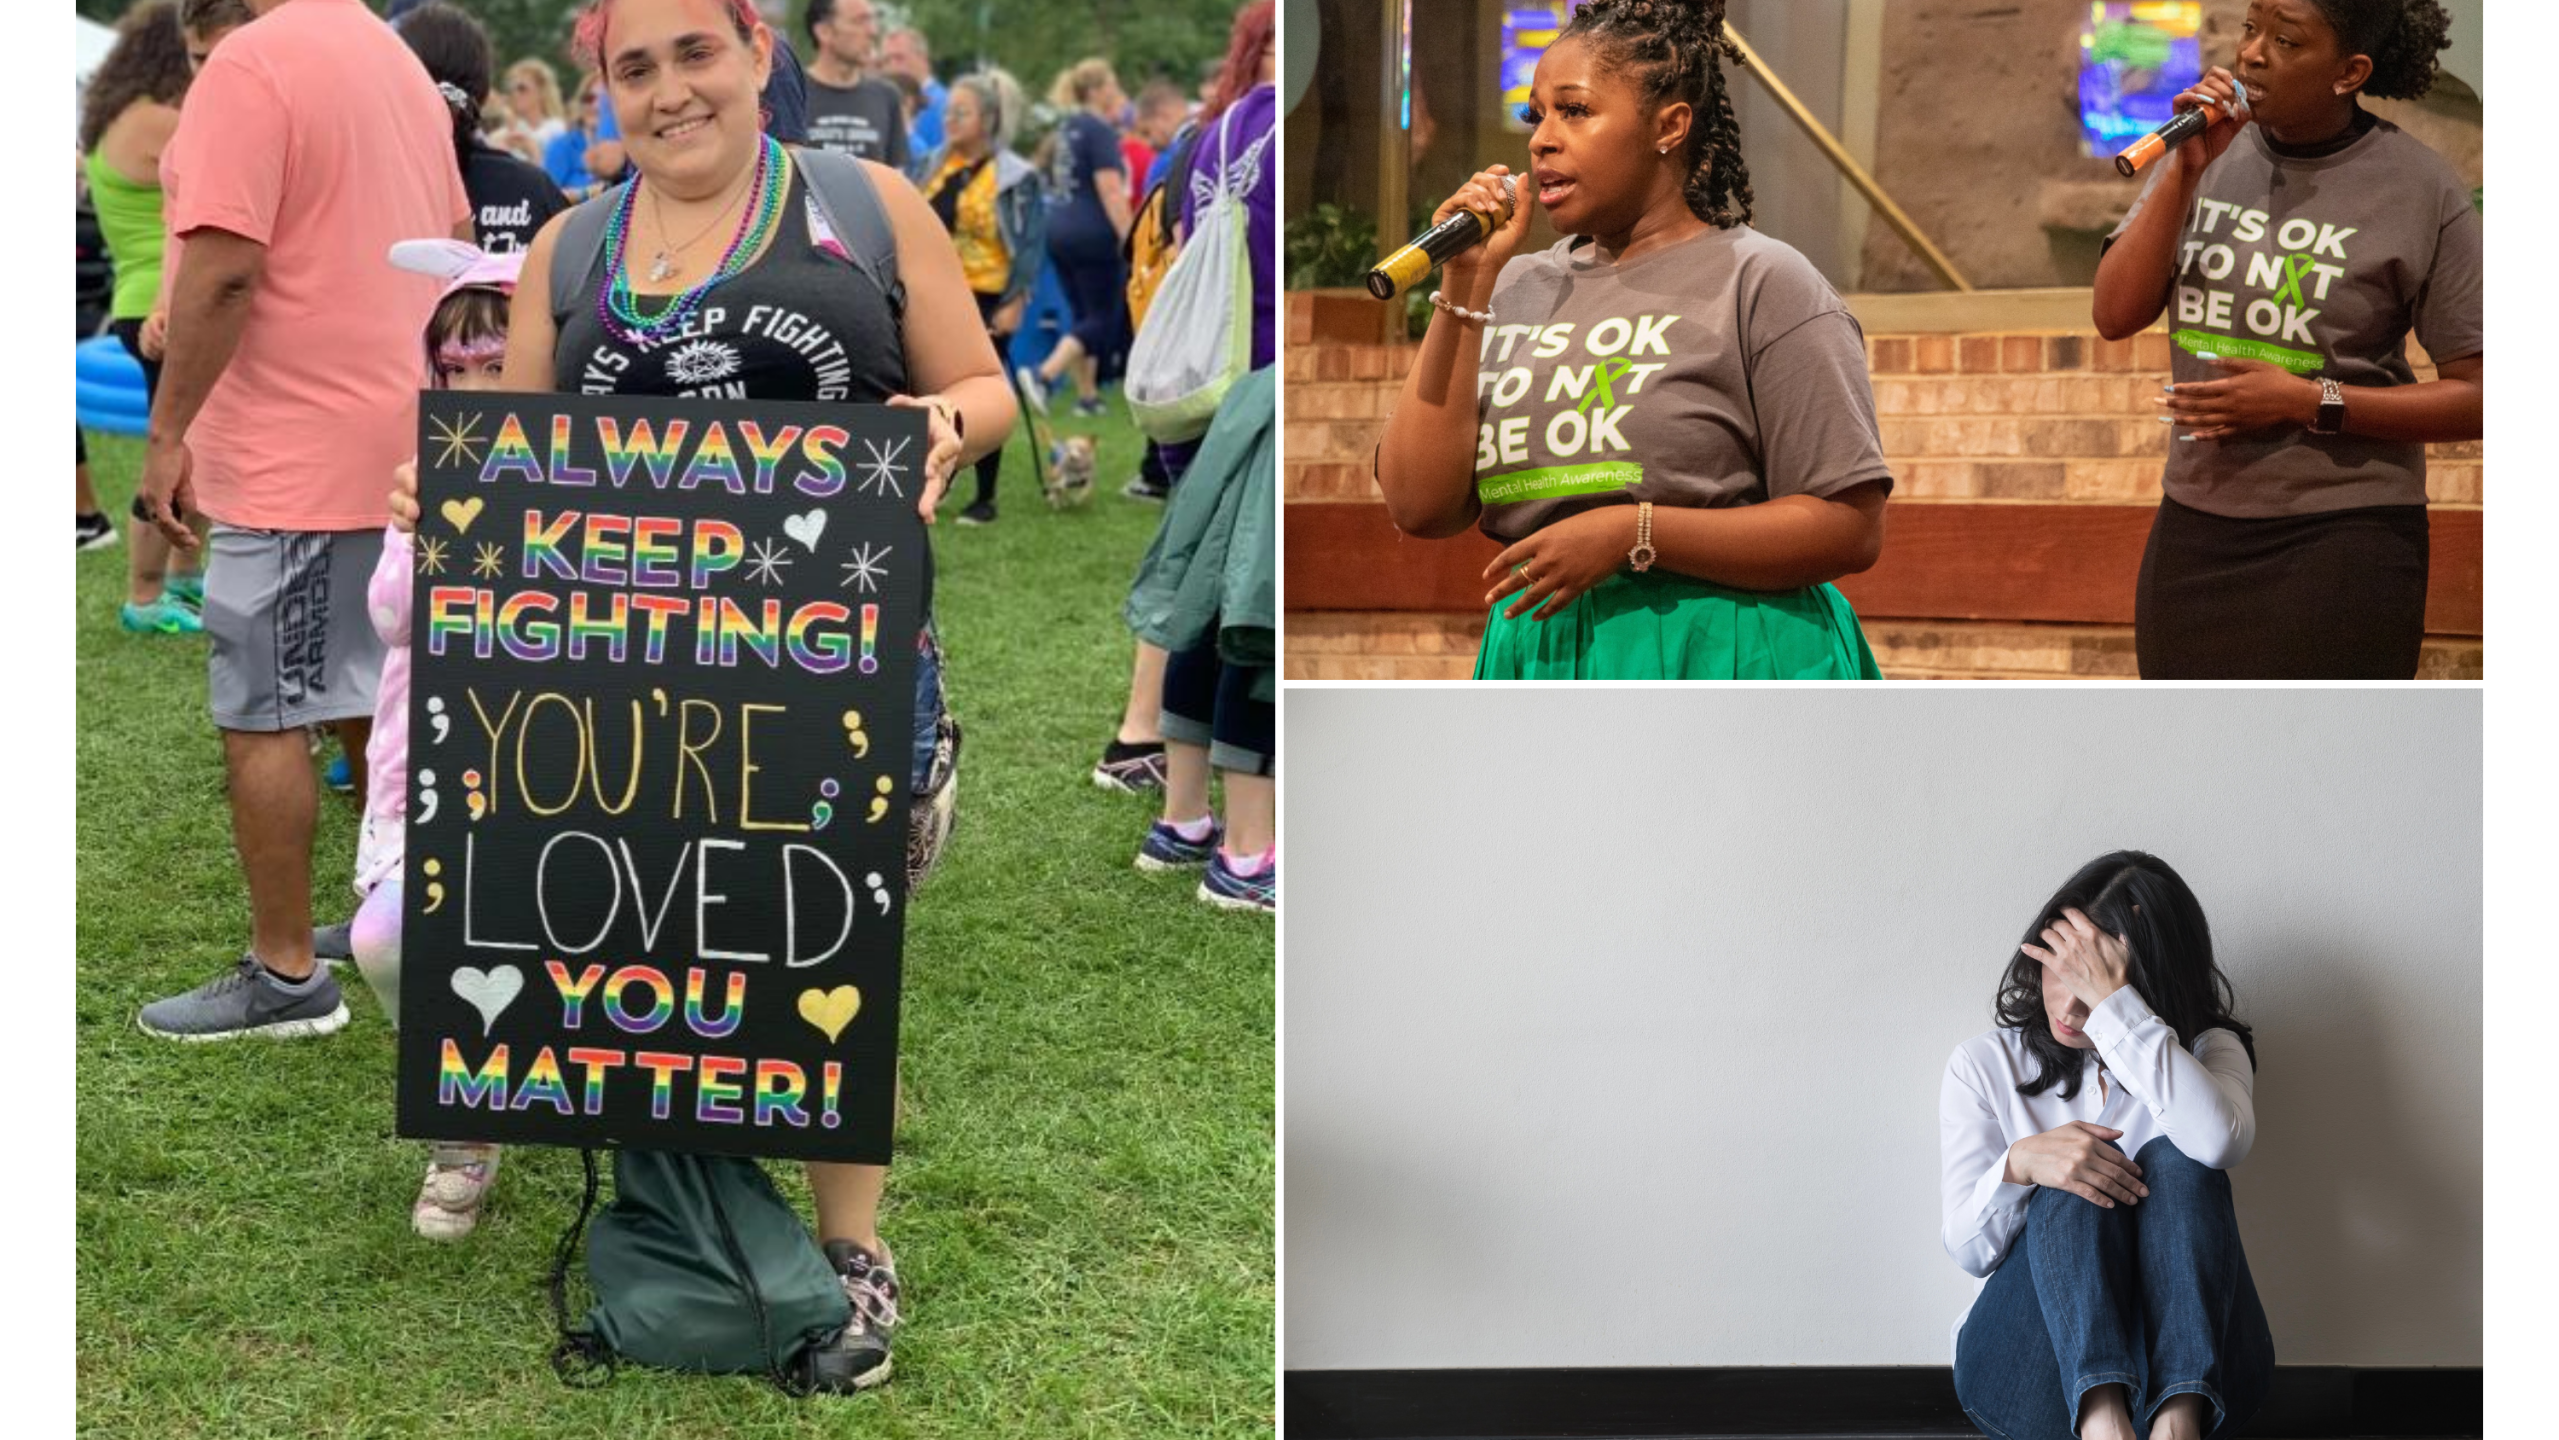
<point>664,265</point>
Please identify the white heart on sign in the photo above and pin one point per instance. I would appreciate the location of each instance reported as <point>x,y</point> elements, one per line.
<point>805,528</point>
<point>489,992</point>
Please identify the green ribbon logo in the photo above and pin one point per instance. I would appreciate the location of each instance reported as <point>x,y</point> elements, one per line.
<point>1607,373</point>
<point>2295,267</point>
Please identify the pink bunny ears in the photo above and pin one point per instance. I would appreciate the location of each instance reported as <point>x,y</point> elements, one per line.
<point>460,264</point>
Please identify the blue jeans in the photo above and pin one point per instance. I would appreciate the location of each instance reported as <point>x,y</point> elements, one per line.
<point>2154,1297</point>
<point>1210,702</point>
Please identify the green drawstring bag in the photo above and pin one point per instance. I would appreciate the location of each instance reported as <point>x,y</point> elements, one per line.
<point>698,1264</point>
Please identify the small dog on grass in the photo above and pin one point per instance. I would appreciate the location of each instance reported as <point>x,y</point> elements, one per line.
<point>1068,481</point>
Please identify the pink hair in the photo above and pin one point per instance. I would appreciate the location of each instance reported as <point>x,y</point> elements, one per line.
<point>587,41</point>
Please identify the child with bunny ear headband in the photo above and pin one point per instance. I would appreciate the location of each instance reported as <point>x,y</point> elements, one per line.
<point>465,348</point>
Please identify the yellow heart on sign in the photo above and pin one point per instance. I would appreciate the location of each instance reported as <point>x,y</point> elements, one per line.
<point>460,513</point>
<point>831,1010</point>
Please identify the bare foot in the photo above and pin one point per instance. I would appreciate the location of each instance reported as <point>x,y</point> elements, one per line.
<point>2182,1417</point>
<point>2104,1415</point>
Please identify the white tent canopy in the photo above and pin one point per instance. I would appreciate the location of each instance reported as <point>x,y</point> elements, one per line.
<point>90,44</point>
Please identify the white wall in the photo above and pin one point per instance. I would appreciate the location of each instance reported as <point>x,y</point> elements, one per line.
<point>1613,1020</point>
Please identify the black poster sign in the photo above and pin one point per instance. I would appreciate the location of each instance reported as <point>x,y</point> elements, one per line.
<point>661,715</point>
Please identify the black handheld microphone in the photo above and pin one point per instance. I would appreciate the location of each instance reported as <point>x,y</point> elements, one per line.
<point>1459,232</point>
<point>2184,126</point>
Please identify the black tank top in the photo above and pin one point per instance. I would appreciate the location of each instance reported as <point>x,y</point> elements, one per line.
<point>800,323</point>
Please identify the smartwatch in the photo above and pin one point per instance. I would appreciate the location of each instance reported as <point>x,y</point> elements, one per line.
<point>2331,419</point>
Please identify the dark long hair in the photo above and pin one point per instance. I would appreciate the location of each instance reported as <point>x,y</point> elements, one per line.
<point>1675,50</point>
<point>455,50</point>
<point>2139,898</point>
<point>2401,36</point>
<point>147,62</point>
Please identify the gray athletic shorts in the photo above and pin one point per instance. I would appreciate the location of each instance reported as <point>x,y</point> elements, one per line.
<point>292,644</point>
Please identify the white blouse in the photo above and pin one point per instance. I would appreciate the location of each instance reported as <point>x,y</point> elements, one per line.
<point>2138,1080</point>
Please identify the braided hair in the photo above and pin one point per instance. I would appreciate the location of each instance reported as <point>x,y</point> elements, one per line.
<point>1672,50</point>
<point>2401,37</point>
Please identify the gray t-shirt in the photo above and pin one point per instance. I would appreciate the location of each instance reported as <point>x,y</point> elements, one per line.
<point>1722,370</point>
<point>865,119</point>
<point>2321,266</point>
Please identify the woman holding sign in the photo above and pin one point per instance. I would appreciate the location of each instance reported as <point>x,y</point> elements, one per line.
<point>1666,417</point>
<point>798,311</point>
<point>2301,240</point>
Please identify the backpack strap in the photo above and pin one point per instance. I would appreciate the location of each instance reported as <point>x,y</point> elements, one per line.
<point>1162,200</point>
<point>852,207</point>
<point>1185,147</point>
<point>579,248</point>
<point>579,1357</point>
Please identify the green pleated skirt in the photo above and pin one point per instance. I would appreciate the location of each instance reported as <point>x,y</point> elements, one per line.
<point>1660,626</point>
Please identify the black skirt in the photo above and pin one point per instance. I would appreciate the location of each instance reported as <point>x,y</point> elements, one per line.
<point>2335,596</point>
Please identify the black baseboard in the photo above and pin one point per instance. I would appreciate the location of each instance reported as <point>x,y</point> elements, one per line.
<point>2324,1401</point>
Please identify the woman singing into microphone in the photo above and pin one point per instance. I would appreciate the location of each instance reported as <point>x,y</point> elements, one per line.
<point>1666,417</point>
<point>2299,251</point>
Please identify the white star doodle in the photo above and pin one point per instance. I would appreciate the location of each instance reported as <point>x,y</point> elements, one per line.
<point>766,561</point>
<point>868,567</point>
<point>882,469</point>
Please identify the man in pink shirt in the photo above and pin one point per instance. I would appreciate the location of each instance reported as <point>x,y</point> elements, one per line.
<point>311,141</point>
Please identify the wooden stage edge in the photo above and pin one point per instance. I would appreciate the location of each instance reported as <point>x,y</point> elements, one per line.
<point>2066,563</point>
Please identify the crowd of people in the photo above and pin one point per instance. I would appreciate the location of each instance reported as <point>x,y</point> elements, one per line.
<point>284,351</point>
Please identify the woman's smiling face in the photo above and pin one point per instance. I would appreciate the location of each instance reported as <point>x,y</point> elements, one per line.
<point>2290,64</point>
<point>1594,153</point>
<point>685,87</point>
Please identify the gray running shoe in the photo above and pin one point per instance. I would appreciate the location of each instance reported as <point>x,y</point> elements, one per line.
<point>245,1002</point>
<point>333,942</point>
<point>858,1357</point>
<point>1131,768</point>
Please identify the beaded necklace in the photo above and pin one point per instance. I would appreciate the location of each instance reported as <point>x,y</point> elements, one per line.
<point>618,309</point>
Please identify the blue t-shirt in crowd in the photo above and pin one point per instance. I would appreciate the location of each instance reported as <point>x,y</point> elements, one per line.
<point>1079,228</point>
<point>924,137</point>
<point>565,158</point>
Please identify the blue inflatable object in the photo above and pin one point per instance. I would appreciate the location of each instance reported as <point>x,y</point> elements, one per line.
<point>109,390</point>
<point>1044,320</point>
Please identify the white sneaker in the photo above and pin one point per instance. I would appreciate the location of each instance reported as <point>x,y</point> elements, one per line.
<point>1034,389</point>
<point>457,1180</point>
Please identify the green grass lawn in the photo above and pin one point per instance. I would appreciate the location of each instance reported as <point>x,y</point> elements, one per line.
<point>1082,1202</point>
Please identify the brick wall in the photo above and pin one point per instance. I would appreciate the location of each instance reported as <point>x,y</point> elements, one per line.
<point>1967,419</point>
